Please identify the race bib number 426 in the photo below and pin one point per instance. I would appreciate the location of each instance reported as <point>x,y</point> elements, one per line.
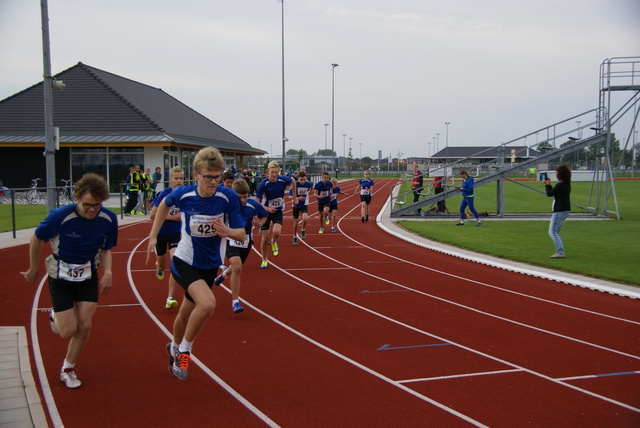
<point>200,225</point>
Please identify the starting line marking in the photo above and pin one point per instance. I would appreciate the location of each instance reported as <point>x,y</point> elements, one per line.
<point>563,379</point>
<point>389,347</point>
<point>425,379</point>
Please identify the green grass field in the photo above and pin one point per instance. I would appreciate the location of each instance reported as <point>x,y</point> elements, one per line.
<point>607,249</point>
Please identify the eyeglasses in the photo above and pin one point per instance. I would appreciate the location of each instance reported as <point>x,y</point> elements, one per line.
<point>87,206</point>
<point>209,178</point>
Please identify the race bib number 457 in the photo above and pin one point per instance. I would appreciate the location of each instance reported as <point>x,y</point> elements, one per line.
<point>200,225</point>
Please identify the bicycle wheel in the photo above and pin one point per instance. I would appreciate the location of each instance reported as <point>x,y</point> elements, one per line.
<point>33,197</point>
<point>65,198</point>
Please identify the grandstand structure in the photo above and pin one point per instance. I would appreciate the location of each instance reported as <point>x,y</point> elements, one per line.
<point>619,75</point>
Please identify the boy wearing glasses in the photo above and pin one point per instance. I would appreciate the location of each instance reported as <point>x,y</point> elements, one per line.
<point>210,213</point>
<point>82,236</point>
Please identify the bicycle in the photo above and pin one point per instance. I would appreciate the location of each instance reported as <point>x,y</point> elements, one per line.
<point>5,194</point>
<point>33,195</point>
<point>65,196</point>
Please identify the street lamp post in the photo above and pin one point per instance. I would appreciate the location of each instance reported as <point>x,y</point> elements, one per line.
<point>361,163</point>
<point>344,147</point>
<point>333,122</point>
<point>437,142</point>
<point>326,126</point>
<point>446,151</point>
<point>284,138</point>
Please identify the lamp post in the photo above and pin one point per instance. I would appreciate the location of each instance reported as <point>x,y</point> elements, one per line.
<point>50,144</point>
<point>284,138</point>
<point>326,126</point>
<point>333,122</point>
<point>446,152</point>
<point>437,143</point>
<point>361,163</point>
<point>344,146</point>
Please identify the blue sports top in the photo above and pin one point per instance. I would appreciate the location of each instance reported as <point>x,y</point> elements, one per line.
<point>250,209</point>
<point>302,190</point>
<point>324,191</point>
<point>75,239</point>
<point>272,194</point>
<point>169,227</point>
<point>200,246</point>
<point>467,187</point>
<point>334,195</point>
<point>366,186</point>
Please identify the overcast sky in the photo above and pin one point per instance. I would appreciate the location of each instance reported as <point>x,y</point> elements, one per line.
<point>494,69</point>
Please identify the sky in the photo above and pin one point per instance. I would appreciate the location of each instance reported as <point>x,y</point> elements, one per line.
<point>494,69</point>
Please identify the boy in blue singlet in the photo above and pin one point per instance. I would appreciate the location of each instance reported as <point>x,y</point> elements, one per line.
<point>238,251</point>
<point>333,204</point>
<point>323,192</point>
<point>364,187</point>
<point>271,194</point>
<point>169,234</point>
<point>82,236</point>
<point>210,213</point>
<point>300,206</point>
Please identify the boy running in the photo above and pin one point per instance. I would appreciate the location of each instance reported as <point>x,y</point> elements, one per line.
<point>169,233</point>
<point>323,192</point>
<point>271,194</point>
<point>300,204</point>
<point>333,205</point>
<point>364,187</point>
<point>210,213</point>
<point>238,251</point>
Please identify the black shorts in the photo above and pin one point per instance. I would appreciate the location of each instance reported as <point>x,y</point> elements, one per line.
<point>185,275</point>
<point>365,199</point>
<point>297,211</point>
<point>65,293</point>
<point>333,207</point>
<point>164,241</point>
<point>323,205</point>
<point>274,218</point>
<point>243,253</point>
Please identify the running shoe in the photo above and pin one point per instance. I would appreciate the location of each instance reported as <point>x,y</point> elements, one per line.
<point>264,264</point>
<point>51,323</point>
<point>171,303</point>
<point>479,223</point>
<point>71,381</point>
<point>321,230</point>
<point>220,278</point>
<point>139,213</point>
<point>326,220</point>
<point>295,240</point>
<point>236,307</point>
<point>303,234</point>
<point>160,274</point>
<point>171,357</point>
<point>180,368</point>
<point>459,223</point>
<point>366,218</point>
<point>274,249</point>
<point>362,219</point>
<point>333,230</point>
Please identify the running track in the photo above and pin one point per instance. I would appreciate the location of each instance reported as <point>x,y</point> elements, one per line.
<point>355,328</point>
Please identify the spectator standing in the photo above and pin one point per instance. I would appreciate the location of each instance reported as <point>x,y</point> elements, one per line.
<point>467,189</point>
<point>416,183</point>
<point>561,206</point>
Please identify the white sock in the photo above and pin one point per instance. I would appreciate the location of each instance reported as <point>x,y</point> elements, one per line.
<point>185,346</point>
<point>67,365</point>
<point>235,301</point>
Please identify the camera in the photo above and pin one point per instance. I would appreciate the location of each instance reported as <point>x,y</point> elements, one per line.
<point>543,176</point>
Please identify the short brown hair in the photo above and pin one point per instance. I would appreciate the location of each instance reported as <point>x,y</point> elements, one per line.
<point>240,186</point>
<point>93,184</point>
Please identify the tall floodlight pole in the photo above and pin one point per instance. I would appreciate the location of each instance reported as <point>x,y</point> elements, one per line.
<point>344,147</point>
<point>49,144</point>
<point>446,152</point>
<point>326,127</point>
<point>333,122</point>
<point>284,135</point>
<point>437,142</point>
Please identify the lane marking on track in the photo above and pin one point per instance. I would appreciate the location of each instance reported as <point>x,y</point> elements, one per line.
<point>253,409</point>
<point>384,291</point>
<point>355,363</point>
<point>564,379</point>
<point>543,376</point>
<point>315,269</point>
<point>391,348</point>
<point>426,379</point>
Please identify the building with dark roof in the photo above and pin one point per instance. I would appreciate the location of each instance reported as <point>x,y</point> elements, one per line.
<point>106,123</point>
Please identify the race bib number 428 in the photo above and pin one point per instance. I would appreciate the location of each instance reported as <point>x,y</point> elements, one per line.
<point>200,225</point>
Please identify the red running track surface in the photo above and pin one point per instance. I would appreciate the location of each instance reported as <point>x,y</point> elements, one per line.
<point>354,328</point>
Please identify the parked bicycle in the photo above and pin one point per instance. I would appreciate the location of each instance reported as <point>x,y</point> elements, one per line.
<point>33,195</point>
<point>65,196</point>
<point>5,194</point>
